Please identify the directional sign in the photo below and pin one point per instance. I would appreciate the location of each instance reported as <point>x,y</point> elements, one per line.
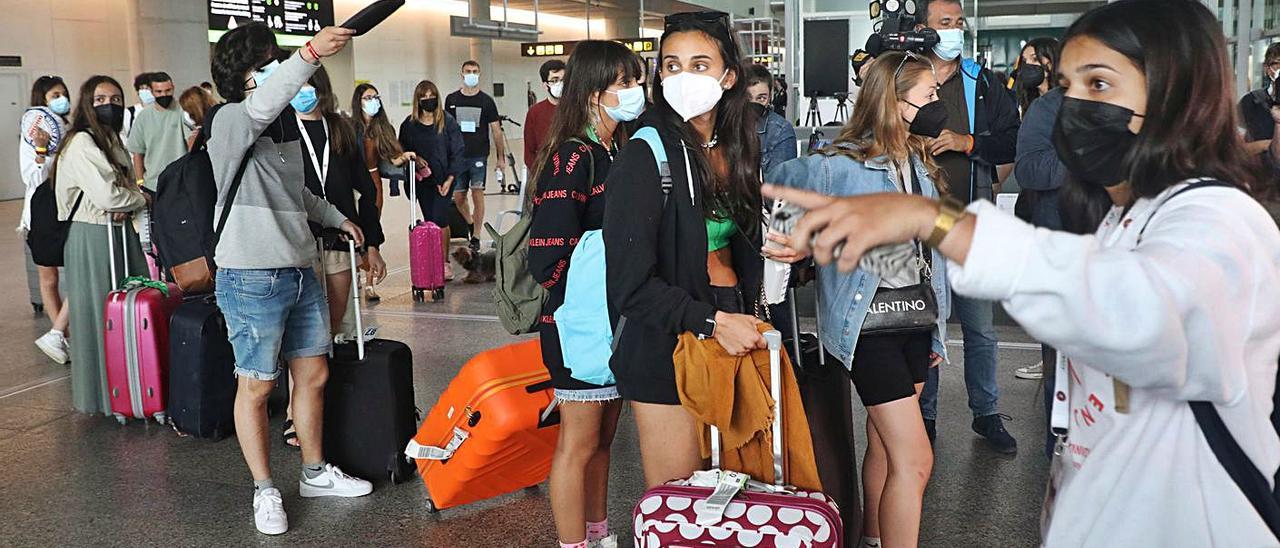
<point>558,49</point>
<point>296,19</point>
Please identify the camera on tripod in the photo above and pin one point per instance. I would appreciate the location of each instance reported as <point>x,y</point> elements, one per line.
<point>895,32</point>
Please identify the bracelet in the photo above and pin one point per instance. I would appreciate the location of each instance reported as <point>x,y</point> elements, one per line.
<point>313,53</point>
<point>42,150</point>
<point>972,143</point>
<point>950,211</point>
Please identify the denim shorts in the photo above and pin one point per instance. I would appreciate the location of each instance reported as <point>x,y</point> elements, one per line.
<point>272,314</point>
<point>474,172</point>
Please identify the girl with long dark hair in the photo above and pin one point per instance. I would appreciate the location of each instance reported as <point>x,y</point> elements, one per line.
<point>688,261</point>
<point>884,148</point>
<point>382,153</point>
<point>1035,74</point>
<point>430,135</point>
<point>602,91</point>
<point>35,158</point>
<point>94,189</point>
<point>1166,315</point>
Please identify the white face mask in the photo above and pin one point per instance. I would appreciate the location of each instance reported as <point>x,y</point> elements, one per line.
<point>692,95</point>
<point>950,44</point>
<point>555,89</point>
<point>186,119</point>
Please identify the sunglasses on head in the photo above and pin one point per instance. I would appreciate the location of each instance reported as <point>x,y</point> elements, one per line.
<point>716,18</point>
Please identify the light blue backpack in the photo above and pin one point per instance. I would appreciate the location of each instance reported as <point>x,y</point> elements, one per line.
<point>586,339</point>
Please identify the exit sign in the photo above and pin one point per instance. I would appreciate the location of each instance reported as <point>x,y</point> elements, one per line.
<point>558,49</point>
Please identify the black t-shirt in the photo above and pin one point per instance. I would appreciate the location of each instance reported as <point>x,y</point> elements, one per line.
<point>474,114</point>
<point>1258,124</point>
<point>956,165</point>
<point>315,130</point>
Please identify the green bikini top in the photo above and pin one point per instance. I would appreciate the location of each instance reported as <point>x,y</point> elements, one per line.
<point>719,231</point>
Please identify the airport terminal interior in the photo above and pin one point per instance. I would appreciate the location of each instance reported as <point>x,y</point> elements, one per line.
<point>84,479</point>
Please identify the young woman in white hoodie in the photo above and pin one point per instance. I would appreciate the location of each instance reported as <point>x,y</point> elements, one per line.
<point>1174,299</point>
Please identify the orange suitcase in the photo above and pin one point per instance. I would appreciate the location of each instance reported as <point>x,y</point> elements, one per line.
<point>492,431</point>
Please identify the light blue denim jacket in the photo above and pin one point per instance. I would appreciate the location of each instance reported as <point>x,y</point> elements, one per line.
<point>844,298</point>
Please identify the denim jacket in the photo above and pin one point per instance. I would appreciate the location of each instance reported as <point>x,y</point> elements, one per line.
<point>777,141</point>
<point>844,298</point>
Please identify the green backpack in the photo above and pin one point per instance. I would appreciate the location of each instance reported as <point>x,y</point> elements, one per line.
<point>519,297</point>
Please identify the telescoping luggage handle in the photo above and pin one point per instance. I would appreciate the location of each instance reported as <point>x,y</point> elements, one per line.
<point>111,250</point>
<point>355,297</point>
<point>411,181</point>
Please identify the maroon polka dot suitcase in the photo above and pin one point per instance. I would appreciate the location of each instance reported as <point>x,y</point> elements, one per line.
<point>715,508</point>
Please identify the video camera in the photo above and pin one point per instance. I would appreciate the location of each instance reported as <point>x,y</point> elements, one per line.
<point>895,32</point>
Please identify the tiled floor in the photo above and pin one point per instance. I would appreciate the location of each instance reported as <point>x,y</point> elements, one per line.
<point>76,480</point>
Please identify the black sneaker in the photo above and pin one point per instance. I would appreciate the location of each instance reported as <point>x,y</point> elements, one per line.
<point>931,430</point>
<point>991,427</point>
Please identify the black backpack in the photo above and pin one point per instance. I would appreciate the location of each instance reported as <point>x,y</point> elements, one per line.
<point>183,227</point>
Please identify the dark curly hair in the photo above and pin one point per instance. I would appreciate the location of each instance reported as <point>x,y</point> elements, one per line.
<point>239,51</point>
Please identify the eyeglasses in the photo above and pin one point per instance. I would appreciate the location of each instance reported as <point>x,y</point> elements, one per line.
<point>912,55</point>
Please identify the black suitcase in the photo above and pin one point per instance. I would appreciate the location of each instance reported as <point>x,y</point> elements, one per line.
<point>369,411</point>
<point>202,382</point>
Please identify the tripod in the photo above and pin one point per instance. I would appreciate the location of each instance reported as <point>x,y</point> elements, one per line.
<point>514,186</point>
<point>813,118</point>
<point>842,108</point>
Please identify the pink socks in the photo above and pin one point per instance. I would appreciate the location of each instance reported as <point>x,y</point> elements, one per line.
<point>597,530</point>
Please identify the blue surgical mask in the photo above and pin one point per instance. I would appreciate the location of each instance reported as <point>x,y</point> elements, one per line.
<point>145,96</point>
<point>260,76</point>
<point>371,106</point>
<point>305,101</point>
<point>950,44</point>
<point>471,80</point>
<point>60,105</point>
<point>630,104</point>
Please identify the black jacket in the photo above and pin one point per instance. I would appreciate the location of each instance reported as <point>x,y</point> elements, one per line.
<point>995,127</point>
<point>347,175</point>
<point>656,256</point>
<point>442,151</point>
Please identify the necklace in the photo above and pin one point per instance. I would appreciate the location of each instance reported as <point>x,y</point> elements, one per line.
<point>715,140</point>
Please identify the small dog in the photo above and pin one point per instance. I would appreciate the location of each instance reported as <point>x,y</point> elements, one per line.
<point>480,265</point>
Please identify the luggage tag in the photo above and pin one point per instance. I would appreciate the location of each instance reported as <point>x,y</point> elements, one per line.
<point>728,486</point>
<point>417,451</point>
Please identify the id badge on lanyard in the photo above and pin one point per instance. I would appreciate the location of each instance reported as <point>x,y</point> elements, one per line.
<point>321,167</point>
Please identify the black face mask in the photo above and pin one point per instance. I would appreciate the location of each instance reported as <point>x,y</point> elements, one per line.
<point>429,105</point>
<point>1093,140</point>
<point>930,120</point>
<point>1030,76</point>
<point>164,101</point>
<point>759,110</point>
<point>110,115</point>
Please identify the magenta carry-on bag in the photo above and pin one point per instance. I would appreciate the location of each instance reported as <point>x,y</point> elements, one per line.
<point>727,509</point>
<point>426,256</point>
<point>136,340</point>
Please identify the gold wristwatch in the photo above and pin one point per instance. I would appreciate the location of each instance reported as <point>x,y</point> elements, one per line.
<point>950,211</point>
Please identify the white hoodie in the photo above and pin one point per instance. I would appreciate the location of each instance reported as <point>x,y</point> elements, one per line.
<point>1191,314</point>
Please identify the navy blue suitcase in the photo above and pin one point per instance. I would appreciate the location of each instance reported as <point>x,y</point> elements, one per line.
<point>202,382</point>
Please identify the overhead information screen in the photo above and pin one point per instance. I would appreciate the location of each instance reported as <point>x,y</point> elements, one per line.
<point>293,21</point>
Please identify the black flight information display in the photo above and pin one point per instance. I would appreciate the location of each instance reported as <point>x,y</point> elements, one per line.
<point>285,17</point>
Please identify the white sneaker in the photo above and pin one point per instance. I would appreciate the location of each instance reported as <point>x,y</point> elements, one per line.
<point>333,483</point>
<point>54,346</point>
<point>1030,372</point>
<point>268,512</point>
<point>610,541</point>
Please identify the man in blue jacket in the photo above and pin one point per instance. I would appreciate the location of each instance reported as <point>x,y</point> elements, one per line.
<point>981,133</point>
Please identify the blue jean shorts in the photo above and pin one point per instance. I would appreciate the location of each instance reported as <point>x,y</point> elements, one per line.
<point>271,314</point>
<point>473,176</point>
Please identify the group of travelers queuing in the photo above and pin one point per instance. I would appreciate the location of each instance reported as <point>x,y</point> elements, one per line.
<point>1136,203</point>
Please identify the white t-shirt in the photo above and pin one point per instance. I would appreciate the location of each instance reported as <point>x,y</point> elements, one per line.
<point>1191,314</point>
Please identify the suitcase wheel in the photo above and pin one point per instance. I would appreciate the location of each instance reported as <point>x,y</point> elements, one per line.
<point>438,294</point>
<point>512,189</point>
<point>419,296</point>
<point>162,418</point>
<point>431,507</point>
<point>120,418</point>
<point>37,308</point>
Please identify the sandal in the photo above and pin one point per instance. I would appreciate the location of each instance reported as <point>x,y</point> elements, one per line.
<point>290,435</point>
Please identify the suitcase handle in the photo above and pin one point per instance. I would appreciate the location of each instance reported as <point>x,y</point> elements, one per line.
<point>355,297</point>
<point>774,339</point>
<point>111,250</point>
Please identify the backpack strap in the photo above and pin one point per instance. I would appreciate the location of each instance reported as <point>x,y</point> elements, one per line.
<point>650,135</point>
<point>235,181</point>
<point>1263,493</point>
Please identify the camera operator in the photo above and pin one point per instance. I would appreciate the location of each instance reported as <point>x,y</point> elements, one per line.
<point>981,133</point>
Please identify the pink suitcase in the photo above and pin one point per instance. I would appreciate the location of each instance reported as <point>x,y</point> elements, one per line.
<point>136,344</point>
<point>426,256</point>
<point>684,513</point>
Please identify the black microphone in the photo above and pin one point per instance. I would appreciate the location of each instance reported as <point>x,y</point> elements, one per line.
<point>875,45</point>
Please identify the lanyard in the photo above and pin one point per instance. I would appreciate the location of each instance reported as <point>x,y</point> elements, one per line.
<point>1060,418</point>
<point>322,170</point>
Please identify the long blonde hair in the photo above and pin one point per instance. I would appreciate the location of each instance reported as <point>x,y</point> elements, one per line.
<point>876,128</point>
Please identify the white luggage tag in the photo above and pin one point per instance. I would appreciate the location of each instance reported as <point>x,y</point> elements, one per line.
<point>727,487</point>
<point>417,451</point>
